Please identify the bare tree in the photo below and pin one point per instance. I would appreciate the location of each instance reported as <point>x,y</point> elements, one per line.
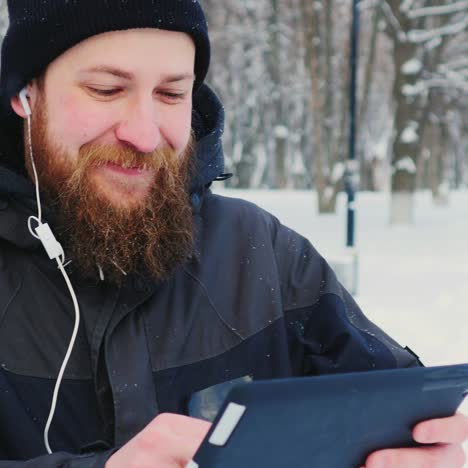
<point>327,65</point>
<point>420,31</point>
<point>282,70</point>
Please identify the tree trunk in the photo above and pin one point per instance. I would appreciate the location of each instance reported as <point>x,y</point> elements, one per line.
<point>402,208</point>
<point>368,176</point>
<point>439,186</point>
<point>406,144</point>
<point>312,28</point>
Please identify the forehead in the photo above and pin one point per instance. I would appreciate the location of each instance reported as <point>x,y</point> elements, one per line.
<point>140,51</point>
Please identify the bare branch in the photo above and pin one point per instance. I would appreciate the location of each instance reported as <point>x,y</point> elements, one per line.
<point>446,83</point>
<point>453,8</point>
<point>396,29</point>
<point>419,36</point>
<point>454,65</point>
<point>405,7</point>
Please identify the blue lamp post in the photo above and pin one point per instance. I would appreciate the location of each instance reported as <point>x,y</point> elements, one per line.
<point>351,175</point>
<point>350,268</point>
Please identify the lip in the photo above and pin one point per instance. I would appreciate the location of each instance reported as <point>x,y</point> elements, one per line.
<point>128,171</point>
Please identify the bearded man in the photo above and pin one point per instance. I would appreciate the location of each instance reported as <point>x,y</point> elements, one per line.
<point>114,143</point>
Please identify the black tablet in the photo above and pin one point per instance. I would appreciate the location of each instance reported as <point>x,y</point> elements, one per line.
<point>332,421</point>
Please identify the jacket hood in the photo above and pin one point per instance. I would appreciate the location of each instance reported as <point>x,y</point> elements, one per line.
<point>208,124</point>
<point>17,189</point>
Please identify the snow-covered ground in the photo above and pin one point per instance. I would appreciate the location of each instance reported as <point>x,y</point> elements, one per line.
<point>412,281</point>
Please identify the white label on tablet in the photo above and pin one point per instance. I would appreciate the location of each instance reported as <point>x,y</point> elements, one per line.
<point>191,464</point>
<point>227,424</point>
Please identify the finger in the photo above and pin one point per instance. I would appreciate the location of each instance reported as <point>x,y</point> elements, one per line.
<point>441,456</point>
<point>183,425</point>
<point>179,449</point>
<point>452,430</point>
<point>186,450</point>
<point>191,445</point>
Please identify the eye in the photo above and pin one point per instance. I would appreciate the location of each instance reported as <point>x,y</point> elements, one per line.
<point>105,92</point>
<point>172,96</point>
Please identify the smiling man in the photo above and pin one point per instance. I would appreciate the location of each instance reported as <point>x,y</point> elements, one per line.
<point>112,145</point>
<point>180,291</point>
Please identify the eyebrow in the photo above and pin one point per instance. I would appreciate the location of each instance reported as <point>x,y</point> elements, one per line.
<point>118,72</point>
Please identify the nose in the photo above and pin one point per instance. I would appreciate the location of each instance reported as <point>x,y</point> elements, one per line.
<point>140,127</point>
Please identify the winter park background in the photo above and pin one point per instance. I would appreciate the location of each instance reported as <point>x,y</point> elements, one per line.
<point>281,68</point>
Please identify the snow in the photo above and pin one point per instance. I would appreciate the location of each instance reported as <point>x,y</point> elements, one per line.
<point>260,167</point>
<point>409,134</point>
<point>413,281</point>
<point>411,67</point>
<point>418,36</point>
<point>318,6</point>
<point>337,173</point>
<point>328,193</point>
<point>281,132</point>
<point>298,165</point>
<point>461,62</point>
<point>451,9</point>
<point>413,90</point>
<point>461,84</point>
<point>406,5</point>
<point>433,43</point>
<point>380,149</point>
<point>237,151</point>
<point>406,164</point>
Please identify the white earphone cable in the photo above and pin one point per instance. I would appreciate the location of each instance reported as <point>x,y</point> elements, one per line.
<point>65,360</point>
<point>51,245</point>
<point>36,178</point>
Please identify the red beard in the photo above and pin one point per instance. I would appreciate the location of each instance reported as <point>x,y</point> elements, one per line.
<point>151,236</point>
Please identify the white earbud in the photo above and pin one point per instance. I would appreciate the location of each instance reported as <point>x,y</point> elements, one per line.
<point>23,95</point>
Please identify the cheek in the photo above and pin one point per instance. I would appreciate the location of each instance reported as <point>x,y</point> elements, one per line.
<point>176,128</point>
<point>74,125</point>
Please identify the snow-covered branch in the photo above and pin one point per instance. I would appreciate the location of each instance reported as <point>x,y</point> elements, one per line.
<point>406,5</point>
<point>419,36</point>
<point>453,8</point>
<point>454,65</point>
<point>456,76</point>
<point>446,83</point>
<point>392,20</point>
<point>433,43</point>
<point>421,87</point>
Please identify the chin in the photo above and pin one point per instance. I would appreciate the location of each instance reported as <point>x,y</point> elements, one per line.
<point>122,195</point>
<point>125,199</point>
<point>128,202</point>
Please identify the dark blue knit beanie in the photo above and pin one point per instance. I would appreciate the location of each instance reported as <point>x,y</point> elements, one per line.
<point>41,30</point>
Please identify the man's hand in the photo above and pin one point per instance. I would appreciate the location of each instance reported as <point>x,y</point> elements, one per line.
<point>449,434</point>
<point>169,441</point>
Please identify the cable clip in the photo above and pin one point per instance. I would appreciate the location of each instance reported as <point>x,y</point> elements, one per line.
<point>53,247</point>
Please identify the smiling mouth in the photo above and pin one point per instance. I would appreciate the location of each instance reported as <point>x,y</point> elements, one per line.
<point>126,168</point>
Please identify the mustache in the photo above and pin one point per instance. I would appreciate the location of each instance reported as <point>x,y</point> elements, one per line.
<point>94,155</point>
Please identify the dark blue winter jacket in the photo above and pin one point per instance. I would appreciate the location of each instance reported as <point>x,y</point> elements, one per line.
<point>255,301</point>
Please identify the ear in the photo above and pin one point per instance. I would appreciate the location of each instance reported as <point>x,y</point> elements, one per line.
<point>16,104</point>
